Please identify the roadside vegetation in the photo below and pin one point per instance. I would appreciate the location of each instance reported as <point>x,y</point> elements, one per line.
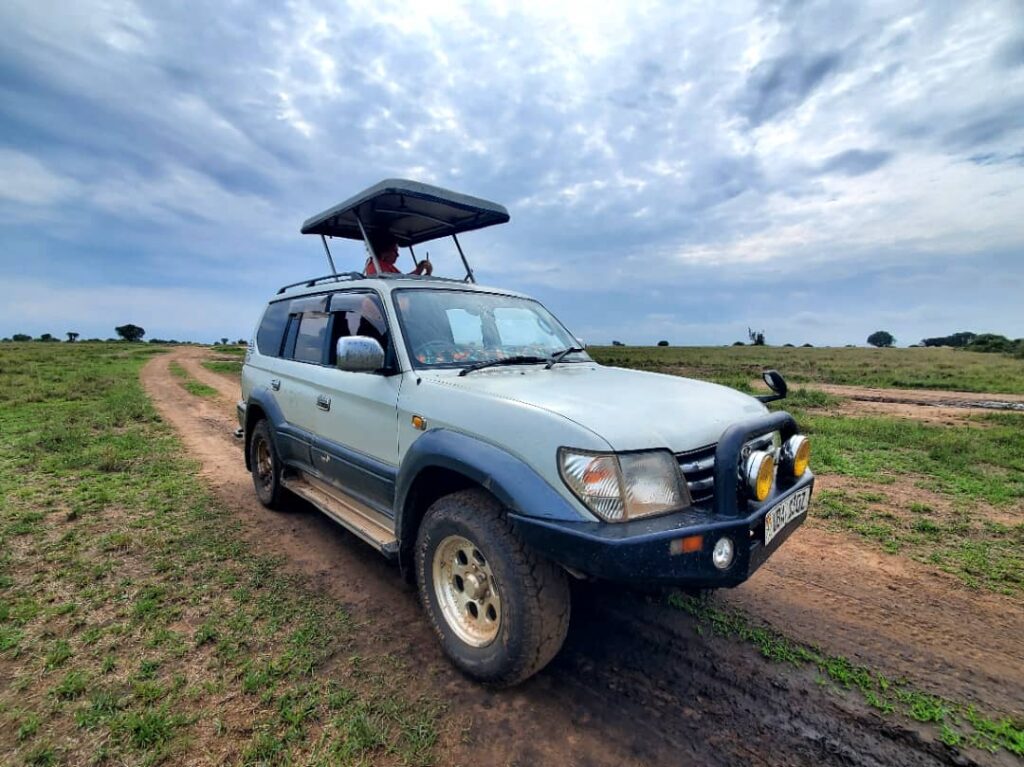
<point>959,724</point>
<point>924,368</point>
<point>948,496</point>
<point>224,367</point>
<point>136,624</point>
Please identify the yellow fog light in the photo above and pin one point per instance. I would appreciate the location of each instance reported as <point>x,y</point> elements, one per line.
<point>760,474</point>
<point>796,453</point>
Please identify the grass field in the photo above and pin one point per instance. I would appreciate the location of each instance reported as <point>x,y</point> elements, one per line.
<point>136,625</point>
<point>926,368</point>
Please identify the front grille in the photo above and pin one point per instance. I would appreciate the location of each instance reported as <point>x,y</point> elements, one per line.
<point>698,467</point>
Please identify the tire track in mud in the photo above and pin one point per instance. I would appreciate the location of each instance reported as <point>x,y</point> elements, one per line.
<point>635,684</point>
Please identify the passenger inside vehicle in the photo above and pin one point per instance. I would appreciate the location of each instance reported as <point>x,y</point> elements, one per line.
<point>386,248</point>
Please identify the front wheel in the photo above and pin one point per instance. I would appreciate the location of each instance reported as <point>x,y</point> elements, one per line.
<point>500,611</point>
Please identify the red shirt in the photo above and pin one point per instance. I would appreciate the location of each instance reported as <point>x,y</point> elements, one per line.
<point>384,267</point>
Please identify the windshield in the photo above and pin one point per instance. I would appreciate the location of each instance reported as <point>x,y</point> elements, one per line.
<point>453,328</point>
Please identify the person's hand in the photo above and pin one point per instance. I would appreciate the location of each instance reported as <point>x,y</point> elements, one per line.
<point>425,267</point>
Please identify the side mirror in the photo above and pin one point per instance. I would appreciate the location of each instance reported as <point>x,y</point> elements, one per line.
<point>360,354</point>
<point>775,382</point>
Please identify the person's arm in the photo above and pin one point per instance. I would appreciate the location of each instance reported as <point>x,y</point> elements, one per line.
<point>424,267</point>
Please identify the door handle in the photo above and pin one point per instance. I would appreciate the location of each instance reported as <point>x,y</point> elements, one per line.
<point>275,384</point>
<point>323,402</point>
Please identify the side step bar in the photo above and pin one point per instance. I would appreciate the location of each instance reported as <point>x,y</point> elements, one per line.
<point>358,518</point>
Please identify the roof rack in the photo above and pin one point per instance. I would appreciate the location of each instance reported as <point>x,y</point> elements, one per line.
<point>340,277</point>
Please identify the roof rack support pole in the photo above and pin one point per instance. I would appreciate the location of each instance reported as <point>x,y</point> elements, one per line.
<point>413,254</point>
<point>465,263</point>
<point>328,252</point>
<point>366,240</point>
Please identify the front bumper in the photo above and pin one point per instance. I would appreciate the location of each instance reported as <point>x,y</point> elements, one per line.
<point>640,552</point>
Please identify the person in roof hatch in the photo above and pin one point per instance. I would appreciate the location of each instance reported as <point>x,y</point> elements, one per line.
<point>386,248</point>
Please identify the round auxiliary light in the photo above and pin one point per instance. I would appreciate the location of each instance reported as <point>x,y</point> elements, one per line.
<point>760,474</point>
<point>797,452</point>
<point>722,554</point>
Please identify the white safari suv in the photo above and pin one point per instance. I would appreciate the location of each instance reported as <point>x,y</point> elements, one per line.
<point>465,433</point>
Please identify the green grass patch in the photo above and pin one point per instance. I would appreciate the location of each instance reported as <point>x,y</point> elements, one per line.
<point>224,367</point>
<point>111,547</point>
<point>957,722</point>
<point>191,385</point>
<point>965,462</point>
<point>926,368</point>
<point>978,552</point>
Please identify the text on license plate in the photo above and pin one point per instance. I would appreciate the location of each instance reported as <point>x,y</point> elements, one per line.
<point>784,513</point>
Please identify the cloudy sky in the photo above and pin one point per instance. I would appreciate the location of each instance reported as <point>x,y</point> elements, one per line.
<point>673,170</point>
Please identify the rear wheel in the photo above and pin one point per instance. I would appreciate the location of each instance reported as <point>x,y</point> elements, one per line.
<point>500,611</point>
<point>266,466</point>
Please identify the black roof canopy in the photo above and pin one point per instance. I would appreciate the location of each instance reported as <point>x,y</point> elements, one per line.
<point>411,211</point>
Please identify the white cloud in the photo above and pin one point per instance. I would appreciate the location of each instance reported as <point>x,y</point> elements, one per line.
<point>29,182</point>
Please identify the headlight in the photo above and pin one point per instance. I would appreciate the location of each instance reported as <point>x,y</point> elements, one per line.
<point>620,487</point>
<point>796,454</point>
<point>760,473</point>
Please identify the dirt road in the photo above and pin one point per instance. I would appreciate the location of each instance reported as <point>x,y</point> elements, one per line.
<point>636,683</point>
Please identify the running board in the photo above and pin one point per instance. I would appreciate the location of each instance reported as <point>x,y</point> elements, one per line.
<point>358,518</point>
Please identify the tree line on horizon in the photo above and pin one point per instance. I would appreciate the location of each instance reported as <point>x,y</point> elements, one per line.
<point>129,332</point>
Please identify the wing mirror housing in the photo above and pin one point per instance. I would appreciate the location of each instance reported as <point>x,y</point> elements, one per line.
<point>360,354</point>
<point>774,380</point>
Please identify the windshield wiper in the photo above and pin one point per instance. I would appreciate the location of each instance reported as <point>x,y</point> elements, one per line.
<point>519,360</point>
<point>559,356</point>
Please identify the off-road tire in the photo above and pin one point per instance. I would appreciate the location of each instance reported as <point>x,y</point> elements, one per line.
<point>269,489</point>
<point>534,593</point>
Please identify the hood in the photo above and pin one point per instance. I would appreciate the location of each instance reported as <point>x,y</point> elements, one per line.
<point>629,409</point>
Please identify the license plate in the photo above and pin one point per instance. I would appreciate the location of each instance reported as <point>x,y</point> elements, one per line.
<point>784,513</point>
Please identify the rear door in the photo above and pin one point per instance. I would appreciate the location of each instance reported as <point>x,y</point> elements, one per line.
<point>303,351</point>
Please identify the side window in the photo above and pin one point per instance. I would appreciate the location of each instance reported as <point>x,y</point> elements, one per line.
<point>357,314</point>
<point>522,327</point>
<point>271,331</point>
<point>309,343</point>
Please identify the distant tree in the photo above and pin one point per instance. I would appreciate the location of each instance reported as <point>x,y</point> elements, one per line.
<point>790,346</point>
<point>807,346</point>
<point>963,338</point>
<point>224,341</point>
<point>756,337</point>
<point>738,343</point>
<point>21,337</point>
<point>242,342</point>
<point>130,332</point>
<point>72,336</point>
<point>47,338</point>
<point>991,342</point>
<point>617,343</point>
<point>662,343</point>
<point>881,338</point>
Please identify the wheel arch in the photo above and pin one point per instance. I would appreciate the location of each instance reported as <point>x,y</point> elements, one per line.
<point>260,406</point>
<point>443,461</point>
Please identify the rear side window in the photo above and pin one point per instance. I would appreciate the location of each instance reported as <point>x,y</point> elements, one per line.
<point>271,332</point>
